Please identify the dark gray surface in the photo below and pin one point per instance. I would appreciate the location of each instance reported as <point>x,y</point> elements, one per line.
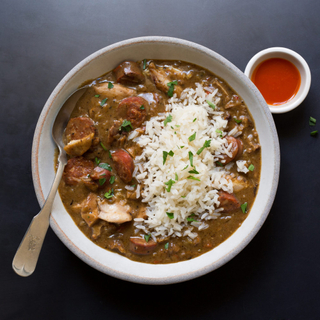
<point>275,277</point>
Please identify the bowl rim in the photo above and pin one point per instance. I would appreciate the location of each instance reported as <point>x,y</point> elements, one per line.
<point>297,60</point>
<point>81,254</point>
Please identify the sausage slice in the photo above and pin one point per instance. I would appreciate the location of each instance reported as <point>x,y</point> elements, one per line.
<point>141,247</point>
<point>77,171</point>
<point>123,164</point>
<point>236,149</point>
<point>134,110</point>
<point>128,72</point>
<point>228,202</point>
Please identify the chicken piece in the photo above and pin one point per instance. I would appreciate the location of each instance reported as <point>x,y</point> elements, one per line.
<point>128,72</point>
<point>79,133</point>
<point>115,213</point>
<point>117,245</point>
<point>234,102</point>
<point>131,195</point>
<point>239,183</point>
<point>222,89</point>
<point>79,147</point>
<point>89,209</point>
<point>117,92</point>
<point>161,79</point>
<point>142,213</point>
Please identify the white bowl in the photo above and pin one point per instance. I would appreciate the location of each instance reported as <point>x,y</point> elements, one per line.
<point>100,62</point>
<point>297,60</point>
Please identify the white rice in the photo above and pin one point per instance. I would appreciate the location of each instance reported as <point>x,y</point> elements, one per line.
<point>188,199</point>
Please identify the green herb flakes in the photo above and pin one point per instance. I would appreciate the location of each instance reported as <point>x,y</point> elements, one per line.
<point>183,197</point>
<point>244,207</point>
<point>103,147</point>
<point>205,145</point>
<point>97,161</point>
<point>192,137</point>
<point>219,132</point>
<point>112,179</point>
<point>194,171</point>
<point>110,155</point>
<point>144,64</point>
<point>191,158</point>
<point>109,194</point>
<point>102,181</point>
<point>194,119</point>
<point>193,178</point>
<point>191,218</point>
<point>176,177</point>
<point>171,87</point>
<point>110,85</point>
<point>147,237</point>
<point>169,184</point>
<point>168,119</point>
<point>312,121</point>
<point>165,155</point>
<point>211,105</point>
<point>103,102</point>
<point>166,246</point>
<point>185,167</point>
<point>182,147</point>
<point>237,121</point>
<point>126,126</point>
<point>105,166</point>
<point>219,163</point>
<point>313,133</point>
<point>142,107</point>
<point>97,96</point>
<point>170,215</point>
<point>251,167</point>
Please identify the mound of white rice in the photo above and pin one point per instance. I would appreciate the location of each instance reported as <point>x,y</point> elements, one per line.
<point>193,196</point>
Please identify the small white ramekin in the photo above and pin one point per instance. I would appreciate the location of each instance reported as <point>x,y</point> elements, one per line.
<point>297,60</point>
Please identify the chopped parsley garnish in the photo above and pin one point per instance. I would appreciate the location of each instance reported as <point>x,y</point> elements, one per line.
<point>166,246</point>
<point>170,215</point>
<point>313,133</point>
<point>176,177</point>
<point>194,119</point>
<point>169,184</point>
<point>244,207</point>
<point>97,96</point>
<point>171,87</point>
<point>142,107</point>
<point>103,102</point>
<point>183,197</point>
<point>185,167</point>
<point>144,64</point>
<point>194,171</point>
<point>220,132</point>
<point>102,181</point>
<point>109,194</point>
<point>105,166</point>
<point>191,219</point>
<point>172,127</point>
<point>147,237</point>
<point>182,147</point>
<point>312,121</point>
<point>193,178</point>
<point>237,121</point>
<point>191,158</point>
<point>112,179</point>
<point>103,147</point>
<point>126,126</point>
<point>133,185</point>
<point>110,155</point>
<point>251,167</point>
<point>211,105</point>
<point>219,163</point>
<point>97,161</point>
<point>177,125</point>
<point>168,119</point>
<point>165,155</point>
<point>205,145</point>
<point>192,137</point>
<point>110,85</point>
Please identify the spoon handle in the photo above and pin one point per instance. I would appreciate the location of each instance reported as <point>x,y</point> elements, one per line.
<point>26,257</point>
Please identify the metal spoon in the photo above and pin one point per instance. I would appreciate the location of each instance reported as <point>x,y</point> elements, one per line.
<point>26,257</point>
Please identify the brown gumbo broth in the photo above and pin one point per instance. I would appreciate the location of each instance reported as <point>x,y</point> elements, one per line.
<point>101,159</point>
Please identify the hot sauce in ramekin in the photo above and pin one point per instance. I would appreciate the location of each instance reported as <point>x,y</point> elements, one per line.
<point>277,79</point>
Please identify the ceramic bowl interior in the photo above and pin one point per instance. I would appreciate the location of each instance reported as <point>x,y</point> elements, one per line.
<point>297,60</point>
<point>44,149</point>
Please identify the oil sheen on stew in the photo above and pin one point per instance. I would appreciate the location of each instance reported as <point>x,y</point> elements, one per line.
<point>163,161</point>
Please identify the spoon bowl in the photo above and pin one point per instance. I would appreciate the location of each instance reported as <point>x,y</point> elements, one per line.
<point>26,257</point>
